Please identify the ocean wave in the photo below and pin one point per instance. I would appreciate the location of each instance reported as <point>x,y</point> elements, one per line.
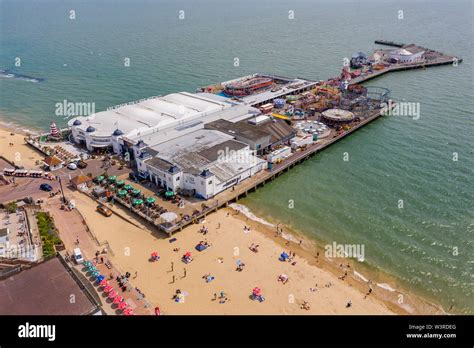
<point>386,287</point>
<point>248,213</point>
<point>9,75</point>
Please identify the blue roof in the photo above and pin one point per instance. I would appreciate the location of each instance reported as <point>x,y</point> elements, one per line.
<point>117,132</point>
<point>206,173</point>
<point>174,169</point>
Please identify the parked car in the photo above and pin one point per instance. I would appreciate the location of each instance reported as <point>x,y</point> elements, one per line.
<point>104,210</point>
<point>81,164</point>
<point>46,187</point>
<point>78,256</point>
<point>72,166</point>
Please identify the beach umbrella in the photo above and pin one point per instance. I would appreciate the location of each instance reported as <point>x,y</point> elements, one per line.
<point>87,264</point>
<point>122,193</point>
<point>136,192</point>
<point>123,305</point>
<point>188,254</point>
<point>100,178</point>
<point>100,278</point>
<point>112,178</point>
<point>113,294</point>
<point>104,283</point>
<point>128,311</point>
<point>150,200</point>
<point>91,268</point>
<point>120,182</point>
<point>154,254</point>
<point>95,273</point>
<point>108,288</point>
<point>128,187</point>
<point>137,201</point>
<point>169,216</point>
<point>118,299</point>
<point>284,255</point>
<point>256,291</point>
<point>169,194</point>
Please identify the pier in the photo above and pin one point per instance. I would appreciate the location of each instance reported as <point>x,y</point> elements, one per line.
<point>287,103</point>
<point>433,58</point>
<point>389,43</point>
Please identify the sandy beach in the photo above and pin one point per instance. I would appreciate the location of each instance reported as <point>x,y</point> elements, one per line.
<point>19,153</point>
<point>310,280</point>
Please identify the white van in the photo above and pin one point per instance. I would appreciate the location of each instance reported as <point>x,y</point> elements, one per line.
<point>78,256</point>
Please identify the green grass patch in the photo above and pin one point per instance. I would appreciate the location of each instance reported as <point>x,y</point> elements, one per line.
<point>48,233</point>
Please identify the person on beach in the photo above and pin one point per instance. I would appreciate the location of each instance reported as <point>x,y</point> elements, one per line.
<point>349,304</point>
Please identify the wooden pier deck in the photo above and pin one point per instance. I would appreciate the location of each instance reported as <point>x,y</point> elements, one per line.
<point>389,43</point>
<point>241,190</point>
<point>444,60</point>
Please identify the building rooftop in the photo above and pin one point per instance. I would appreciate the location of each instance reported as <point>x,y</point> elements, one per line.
<point>242,128</point>
<point>156,112</point>
<point>200,150</point>
<point>45,289</point>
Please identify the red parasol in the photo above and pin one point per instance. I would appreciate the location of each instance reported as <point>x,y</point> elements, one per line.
<point>113,294</point>
<point>118,299</point>
<point>123,305</point>
<point>104,283</point>
<point>256,291</point>
<point>157,311</point>
<point>188,254</point>
<point>128,311</point>
<point>154,254</point>
<point>108,288</point>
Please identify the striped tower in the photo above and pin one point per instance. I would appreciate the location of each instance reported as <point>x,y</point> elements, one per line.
<point>54,130</point>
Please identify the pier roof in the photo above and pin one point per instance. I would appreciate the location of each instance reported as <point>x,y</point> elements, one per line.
<point>148,114</point>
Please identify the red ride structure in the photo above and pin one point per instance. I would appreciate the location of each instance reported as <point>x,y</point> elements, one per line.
<point>247,87</point>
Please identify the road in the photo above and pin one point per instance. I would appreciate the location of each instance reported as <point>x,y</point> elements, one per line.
<point>29,187</point>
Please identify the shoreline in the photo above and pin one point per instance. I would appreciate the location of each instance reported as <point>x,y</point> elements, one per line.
<point>382,290</point>
<point>388,289</point>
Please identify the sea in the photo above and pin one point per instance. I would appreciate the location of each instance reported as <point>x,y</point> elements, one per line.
<point>401,186</point>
